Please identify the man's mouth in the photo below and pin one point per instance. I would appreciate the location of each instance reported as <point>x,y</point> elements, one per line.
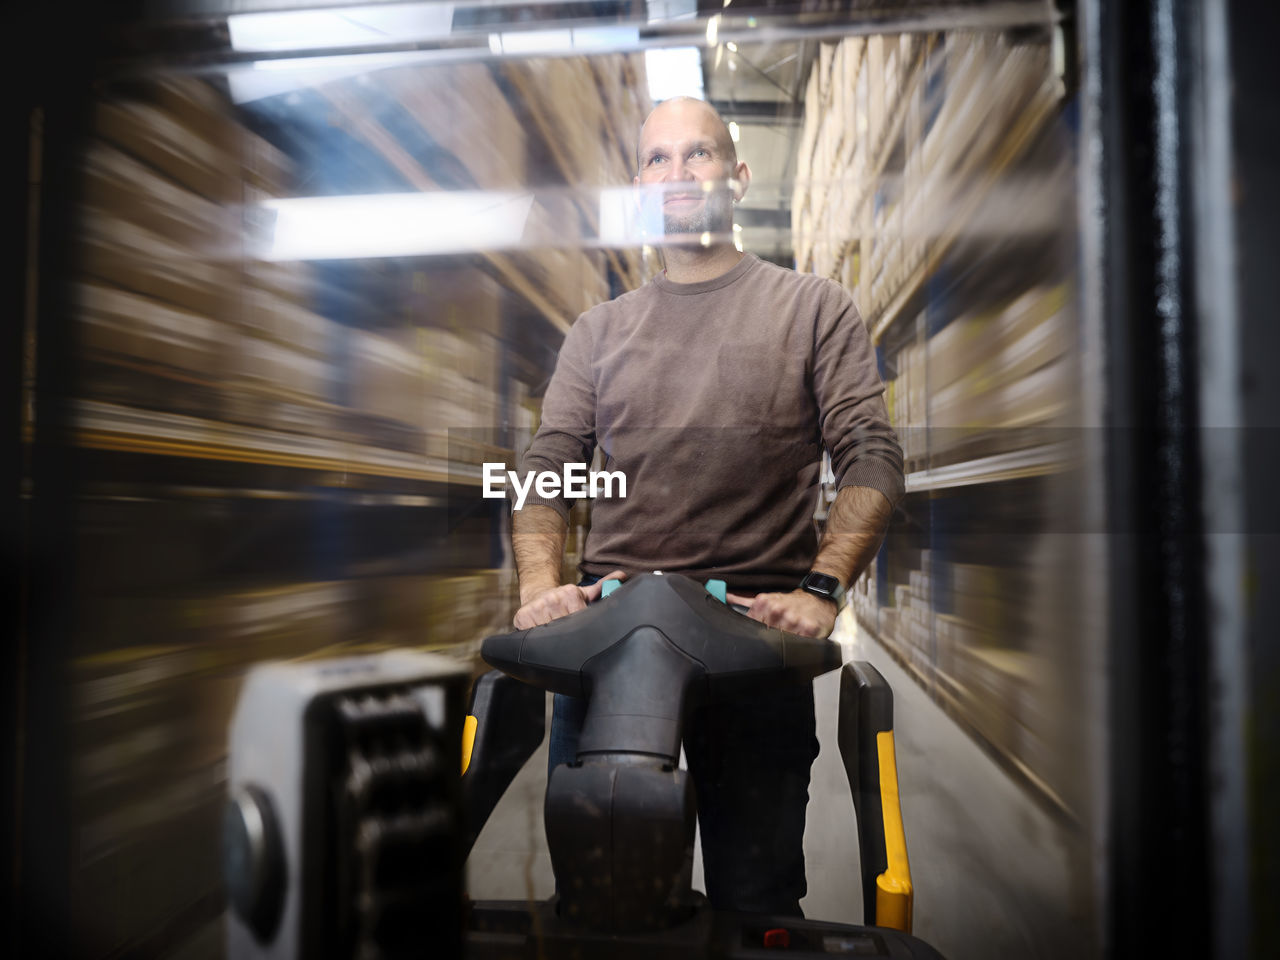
<point>681,198</point>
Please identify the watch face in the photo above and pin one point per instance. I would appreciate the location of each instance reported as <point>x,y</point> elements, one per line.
<point>822,583</point>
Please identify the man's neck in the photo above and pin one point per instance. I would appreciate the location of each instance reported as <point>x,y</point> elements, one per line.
<point>696,264</point>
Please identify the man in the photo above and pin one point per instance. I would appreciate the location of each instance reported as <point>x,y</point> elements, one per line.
<point>713,388</point>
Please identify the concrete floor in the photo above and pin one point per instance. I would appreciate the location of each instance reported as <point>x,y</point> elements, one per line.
<point>993,873</point>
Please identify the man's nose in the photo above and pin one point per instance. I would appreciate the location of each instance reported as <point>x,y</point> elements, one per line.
<point>676,170</point>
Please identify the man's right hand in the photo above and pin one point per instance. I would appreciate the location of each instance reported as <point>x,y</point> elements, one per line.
<point>556,602</point>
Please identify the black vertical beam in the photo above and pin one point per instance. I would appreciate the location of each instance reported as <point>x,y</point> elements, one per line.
<point>1255,132</point>
<point>1139,84</point>
<point>60,44</point>
<point>14,197</point>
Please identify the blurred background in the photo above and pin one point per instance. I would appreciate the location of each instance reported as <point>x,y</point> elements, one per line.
<point>292,272</point>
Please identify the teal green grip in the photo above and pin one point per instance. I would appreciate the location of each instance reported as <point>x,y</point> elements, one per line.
<point>718,590</point>
<point>608,586</point>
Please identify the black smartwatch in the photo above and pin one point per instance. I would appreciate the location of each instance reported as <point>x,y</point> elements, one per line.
<point>823,585</point>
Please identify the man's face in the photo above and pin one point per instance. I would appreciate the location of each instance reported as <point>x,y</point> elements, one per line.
<point>687,170</point>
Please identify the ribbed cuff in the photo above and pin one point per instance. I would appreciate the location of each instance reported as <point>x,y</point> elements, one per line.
<point>558,504</point>
<point>878,475</point>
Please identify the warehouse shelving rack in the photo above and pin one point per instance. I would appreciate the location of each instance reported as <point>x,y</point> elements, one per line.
<point>909,141</point>
<point>303,440</point>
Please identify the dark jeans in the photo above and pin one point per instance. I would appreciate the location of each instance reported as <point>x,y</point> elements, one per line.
<point>750,765</point>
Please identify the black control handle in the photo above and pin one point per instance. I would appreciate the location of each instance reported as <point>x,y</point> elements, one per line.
<point>735,654</point>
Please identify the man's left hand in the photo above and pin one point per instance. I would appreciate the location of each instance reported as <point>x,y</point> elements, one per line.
<point>796,612</point>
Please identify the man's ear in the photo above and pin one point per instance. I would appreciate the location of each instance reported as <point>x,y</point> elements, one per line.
<point>741,180</point>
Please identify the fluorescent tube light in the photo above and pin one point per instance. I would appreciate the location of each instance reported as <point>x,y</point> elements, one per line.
<point>577,40</point>
<point>355,26</point>
<point>396,224</point>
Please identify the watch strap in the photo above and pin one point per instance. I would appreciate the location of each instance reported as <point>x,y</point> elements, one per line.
<point>823,585</point>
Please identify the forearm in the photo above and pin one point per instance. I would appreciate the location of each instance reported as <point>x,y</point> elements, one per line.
<point>856,524</point>
<point>538,536</point>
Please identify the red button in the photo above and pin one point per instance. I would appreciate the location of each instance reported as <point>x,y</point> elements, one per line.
<point>777,937</point>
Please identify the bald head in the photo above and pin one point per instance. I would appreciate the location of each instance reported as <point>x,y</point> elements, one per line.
<point>688,171</point>
<point>687,113</point>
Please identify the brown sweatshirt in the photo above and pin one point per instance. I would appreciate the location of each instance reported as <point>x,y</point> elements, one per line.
<point>715,400</point>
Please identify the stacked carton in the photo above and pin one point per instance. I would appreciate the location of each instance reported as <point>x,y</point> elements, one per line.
<point>448,612</point>
<point>157,284</point>
<point>882,169</point>
<point>864,599</point>
<point>166,284</point>
<point>585,116</point>
<point>999,370</point>
<point>465,112</point>
<point>854,99</point>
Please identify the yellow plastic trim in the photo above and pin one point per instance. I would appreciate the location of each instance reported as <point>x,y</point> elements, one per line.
<point>468,740</point>
<point>893,887</point>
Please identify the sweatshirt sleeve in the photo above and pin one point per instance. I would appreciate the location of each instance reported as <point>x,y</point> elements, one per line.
<point>567,431</point>
<point>850,395</point>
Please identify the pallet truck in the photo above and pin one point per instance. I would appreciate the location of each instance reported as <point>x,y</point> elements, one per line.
<point>620,821</point>
<point>347,825</point>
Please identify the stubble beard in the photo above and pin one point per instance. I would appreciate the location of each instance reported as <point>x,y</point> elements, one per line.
<point>714,217</point>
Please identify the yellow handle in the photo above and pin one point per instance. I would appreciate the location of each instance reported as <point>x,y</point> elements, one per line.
<point>468,741</point>
<point>893,887</point>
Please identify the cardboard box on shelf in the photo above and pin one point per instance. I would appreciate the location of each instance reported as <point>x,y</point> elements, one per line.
<point>270,316</point>
<point>985,616</point>
<point>445,611</point>
<point>1032,747</point>
<point>985,377</point>
<point>910,45</point>
<point>200,107</point>
<point>920,636</point>
<point>889,626</point>
<point>179,152</point>
<point>120,186</point>
<point>1039,347</point>
<point>1027,312</point>
<point>257,403</point>
<point>566,277</point>
<point>624,104</point>
<point>459,301</point>
<point>275,366</point>
<point>263,166</point>
<point>957,349</point>
<point>875,102</point>
<point>890,82</point>
<point>465,112</point>
<point>460,366</point>
<point>275,622</point>
<point>1036,398</point>
<point>944,633</point>
<point>121,254</point>
<point>993,680</point>
<point>386,379</point>
<point>129,325</point>
<point>291,280</point>
<point>560,96</point>
<point>826,58</point>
